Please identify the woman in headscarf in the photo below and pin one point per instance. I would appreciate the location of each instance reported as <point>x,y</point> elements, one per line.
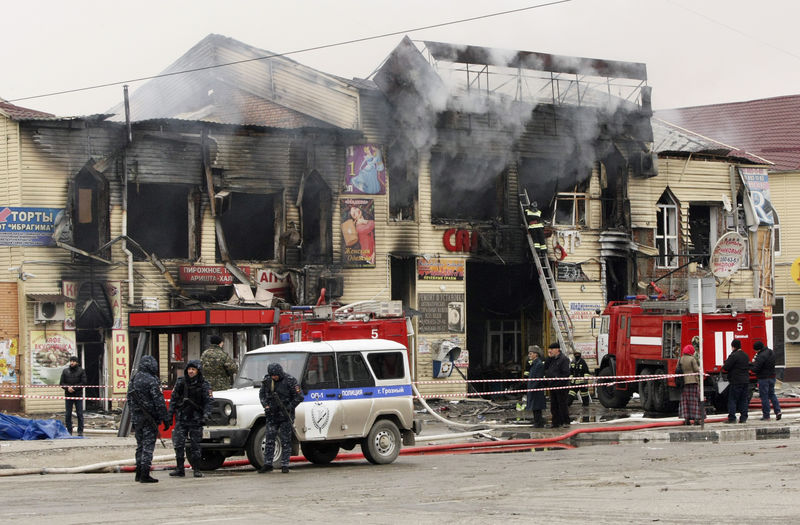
<point>690,407</point>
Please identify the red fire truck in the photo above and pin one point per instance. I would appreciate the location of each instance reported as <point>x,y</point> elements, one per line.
<point>643,337</point>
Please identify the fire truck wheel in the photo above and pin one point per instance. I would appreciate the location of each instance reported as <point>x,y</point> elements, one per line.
<point>646,391</point>
<point>660,393</point>
<point>382,444</point>
<point>320,453</point>
<point>608,395</point>
<point>256,444</point>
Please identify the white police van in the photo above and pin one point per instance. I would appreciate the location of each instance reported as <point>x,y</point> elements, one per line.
<point>356,392</point>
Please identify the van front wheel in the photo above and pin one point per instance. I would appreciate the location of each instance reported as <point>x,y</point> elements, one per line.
<point>256,445</point>
<point>382,444</point>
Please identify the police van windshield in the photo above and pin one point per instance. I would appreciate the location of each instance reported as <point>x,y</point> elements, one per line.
<point>254,367</point>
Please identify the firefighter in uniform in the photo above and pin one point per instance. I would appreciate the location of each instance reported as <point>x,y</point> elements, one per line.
<point>533,217</point>
<point>279,395</point>
<point>579,370</point>
<point>191,400</point>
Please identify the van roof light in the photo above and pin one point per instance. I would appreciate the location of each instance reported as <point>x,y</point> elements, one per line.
<point>316,336</point>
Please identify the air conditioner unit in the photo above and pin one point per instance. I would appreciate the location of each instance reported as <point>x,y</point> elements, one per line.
<point>47,311</point>
<point>791,326</point>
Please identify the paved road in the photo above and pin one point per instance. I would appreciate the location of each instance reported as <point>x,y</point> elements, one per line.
<point>739,482</point>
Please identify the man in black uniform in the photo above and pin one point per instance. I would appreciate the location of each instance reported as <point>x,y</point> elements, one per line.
<point>191,400</point>
<point>557,366</point>
<point>147,409</point>
<point>578,370</point>
<point>737,366</point>
<point>280,394</point>
<point>72,376</point>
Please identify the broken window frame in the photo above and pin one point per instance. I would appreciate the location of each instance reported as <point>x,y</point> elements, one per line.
<point>90,179</point>
<point>322,226</point>
<point>667,215</point>
<point>401,178</point>
<point>578,201</point>
<point>503,332</point>
<point>713,231</point>
<point>440,192</point>
<point>232,201</point>
<point>192,230</point>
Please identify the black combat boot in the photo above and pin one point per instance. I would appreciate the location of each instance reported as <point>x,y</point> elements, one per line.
<point>194,462</point>
<point>138,473</point>
<point>145,476</point>
<point>180,470</point>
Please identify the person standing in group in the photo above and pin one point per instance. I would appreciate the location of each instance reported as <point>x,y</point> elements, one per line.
<point>536,402</point>
<point>71,377</point>
<point>280,394</point>
<point>764,368</point>
<point>579,371</point>
<point>148,410</point>
<point>737,366</point>
<point>218,367</point>
<point>191,401</point>
<point>556,367</point>
<point>690,408</point>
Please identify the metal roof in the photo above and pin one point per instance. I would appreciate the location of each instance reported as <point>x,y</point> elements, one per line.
<point>668,137</point>
<point>15,112</point>
<point>768,128</point>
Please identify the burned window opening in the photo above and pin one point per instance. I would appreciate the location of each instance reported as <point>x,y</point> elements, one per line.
<point>467,188</point>
<point>403,188</point>
<point>158,219</point>
<point>90,210</point>
<point>569,208</point>
<point>248,220</point>
<point>667,231</point>
<point>316,217</point>
<point>702,232</point>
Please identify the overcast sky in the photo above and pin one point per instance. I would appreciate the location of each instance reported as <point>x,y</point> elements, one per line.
<point>696,51</point>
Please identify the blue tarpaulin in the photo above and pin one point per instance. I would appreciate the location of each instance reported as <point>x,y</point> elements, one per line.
<point>14,427</point>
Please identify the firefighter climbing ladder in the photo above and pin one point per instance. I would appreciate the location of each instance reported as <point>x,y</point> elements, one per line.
<point>558,313</point>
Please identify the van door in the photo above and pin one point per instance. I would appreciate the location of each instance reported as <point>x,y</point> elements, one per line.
<point>357,391</point>
<point>321,409</point>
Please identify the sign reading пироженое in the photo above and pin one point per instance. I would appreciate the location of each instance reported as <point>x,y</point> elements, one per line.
<point>27,226</point>
<point>728,255</point>
<point>204,274</point>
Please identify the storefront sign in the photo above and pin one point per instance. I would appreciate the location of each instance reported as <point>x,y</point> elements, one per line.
<point>8,361</point>
<point>441,312</point>
<point>27,226</point>
<point>69,289</point>
<point>366,173</point>
<point>50,353</point>
<point>570,272</point>
<point>579,311</point>
<point>460,240</point>
<point>440,270</point>
<point>757,182</point>
<point>358,232</point>
<point>114,295</point>
<point>119,365</point>
<point>272,281</point>
<point>728,254</point>
<point>200,274</point>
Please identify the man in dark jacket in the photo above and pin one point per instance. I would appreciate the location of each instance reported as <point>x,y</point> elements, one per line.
<point>764,368</point>
<point>191,400</point>
<point>147,410</point>
<point>280,394</point>
<point>579,370</point>
<point>737,366</point>
<point>72,376</point>
<point>557,366</point>
<point>536,401</point>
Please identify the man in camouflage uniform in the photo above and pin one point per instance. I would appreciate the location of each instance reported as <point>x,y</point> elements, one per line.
<point>191,400</point>
<point>148,410</point>
<point>218,367</point>
<point>280,394</point>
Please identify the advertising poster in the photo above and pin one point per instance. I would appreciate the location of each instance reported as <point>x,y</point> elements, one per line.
<point>275,282</point>
<point>27,226</point>
<point>69,289</point>
<point>50,352</point>
<point>365,173</point>
<point>8,361</point>
<point>119,364</point>
<point>580,311</point>
<point>440,270</point>
<point>114,295</point>
<point>757,182</point>
<point>358,232</point>
<point>441,312</point>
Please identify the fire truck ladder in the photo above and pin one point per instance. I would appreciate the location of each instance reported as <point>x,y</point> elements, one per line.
<point>558,313</point>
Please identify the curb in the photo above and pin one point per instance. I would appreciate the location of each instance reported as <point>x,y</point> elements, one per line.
<point>682,436</point>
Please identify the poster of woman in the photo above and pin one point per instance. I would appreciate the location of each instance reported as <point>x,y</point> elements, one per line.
<point>358,232</point>
<point>366,172</point>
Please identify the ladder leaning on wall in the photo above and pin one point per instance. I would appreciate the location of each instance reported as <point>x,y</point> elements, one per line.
<point>559,315</point>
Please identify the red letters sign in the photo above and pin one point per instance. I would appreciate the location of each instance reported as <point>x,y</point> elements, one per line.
<point>460,240</point>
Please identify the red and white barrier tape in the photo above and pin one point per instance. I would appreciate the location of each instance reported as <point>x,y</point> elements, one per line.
<point>595,379</point>
<point>33,396</point>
